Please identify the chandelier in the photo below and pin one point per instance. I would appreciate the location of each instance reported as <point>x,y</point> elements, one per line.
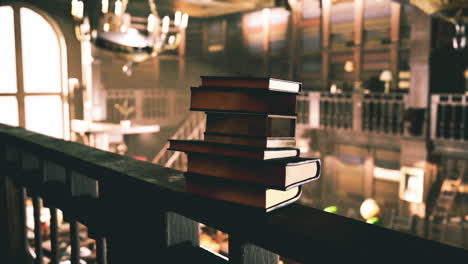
<point>453,11</point>
<point>130,38</point>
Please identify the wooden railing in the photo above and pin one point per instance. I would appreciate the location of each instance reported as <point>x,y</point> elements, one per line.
<point>449,117</point>
<point>370,113</point>
<point>383,113</point>
<point>140,212</point>
<point>192,128</point>
<point>336,111</point>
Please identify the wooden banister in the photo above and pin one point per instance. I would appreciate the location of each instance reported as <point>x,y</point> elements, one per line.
<point>146,215</point>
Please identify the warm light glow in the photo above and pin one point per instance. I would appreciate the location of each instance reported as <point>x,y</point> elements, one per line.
<point>386,76</point>
<point>151,23</point>
<point>74,7</point>
<point>171,40</point>
<point>369,209</point>
<point>106,27</point>
<point>266,16</point>
<point>118,8</point>
<point>165,24</point>
<point>105,6</point>
<point>349,66</point>
<point>333,88</point>
<point>177,18</point>
<point>79,9</point>
<point>185,18</point>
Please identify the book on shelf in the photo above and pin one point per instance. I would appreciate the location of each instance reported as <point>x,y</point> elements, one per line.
<point>242,100</point>
<point>259,142</point>
<point>262,198</point>
<point>280,174</point>
<point>263,83</point>
<point>262,125</point>
<point>246,152</point>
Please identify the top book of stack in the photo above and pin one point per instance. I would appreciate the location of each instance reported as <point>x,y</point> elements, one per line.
<point>263,83</point>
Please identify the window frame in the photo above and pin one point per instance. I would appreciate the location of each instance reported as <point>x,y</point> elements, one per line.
<point>20,93</point>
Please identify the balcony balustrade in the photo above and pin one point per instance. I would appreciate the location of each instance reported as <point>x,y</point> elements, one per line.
<point>140,212</point>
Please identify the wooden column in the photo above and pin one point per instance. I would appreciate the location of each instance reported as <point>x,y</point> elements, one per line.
<point>295,20</point>
<point>358,30</point>
<point>326,31</point>
<point>419,60</point>
<point>395,42</point>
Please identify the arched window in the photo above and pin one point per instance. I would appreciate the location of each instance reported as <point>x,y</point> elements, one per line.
<point>33,90</point>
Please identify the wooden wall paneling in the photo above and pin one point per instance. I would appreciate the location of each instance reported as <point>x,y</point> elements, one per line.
<point>205,38</point>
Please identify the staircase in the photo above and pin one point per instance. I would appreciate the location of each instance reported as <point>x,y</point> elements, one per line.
<point>192,128</point>
<point>448,191</point>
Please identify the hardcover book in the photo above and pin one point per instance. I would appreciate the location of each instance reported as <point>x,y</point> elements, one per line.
<point>247,152</point>
<point>264,83</point>
<point>242,100</point>
<point>262,125</point>
<point>280,174</point>
<point>266,142</point>
<point>265,199</point>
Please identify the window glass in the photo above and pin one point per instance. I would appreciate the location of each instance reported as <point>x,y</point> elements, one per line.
<point>7,51</point>
<point>44,114</point>
<point>9,110</point>
<point>41,54</point>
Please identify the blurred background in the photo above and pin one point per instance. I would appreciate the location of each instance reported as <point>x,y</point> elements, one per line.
<point>384,101</point>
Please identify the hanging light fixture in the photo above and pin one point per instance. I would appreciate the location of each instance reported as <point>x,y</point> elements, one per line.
<point>118,32</point>
<point>453,11</point>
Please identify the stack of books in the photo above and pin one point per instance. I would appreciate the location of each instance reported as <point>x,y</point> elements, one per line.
<point>249,153</point>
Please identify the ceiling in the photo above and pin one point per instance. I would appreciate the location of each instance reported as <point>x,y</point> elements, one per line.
<point>209,8</point>
<point>199,8</point>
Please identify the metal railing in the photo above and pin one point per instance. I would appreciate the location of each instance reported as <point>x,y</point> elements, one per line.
<point>140,212</point>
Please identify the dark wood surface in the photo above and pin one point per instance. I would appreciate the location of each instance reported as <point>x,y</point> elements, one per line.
<point>135,196</point>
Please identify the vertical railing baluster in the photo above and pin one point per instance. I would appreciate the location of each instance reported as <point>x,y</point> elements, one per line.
<point>54,245</point>
<point>390,117</point>
<point>442,120</point>
<point>400,123</point>
<point>74,242</point>
<point>242,252</point>
<point>322,111</point>
<point>37,230</point>
<point>375,115</point>
<point>452,118</point>
<point>383,116</point>
<point>101,250</point>
<point>464,119</point>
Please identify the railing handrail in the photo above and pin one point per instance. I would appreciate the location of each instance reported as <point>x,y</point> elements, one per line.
<point>298,232</point>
